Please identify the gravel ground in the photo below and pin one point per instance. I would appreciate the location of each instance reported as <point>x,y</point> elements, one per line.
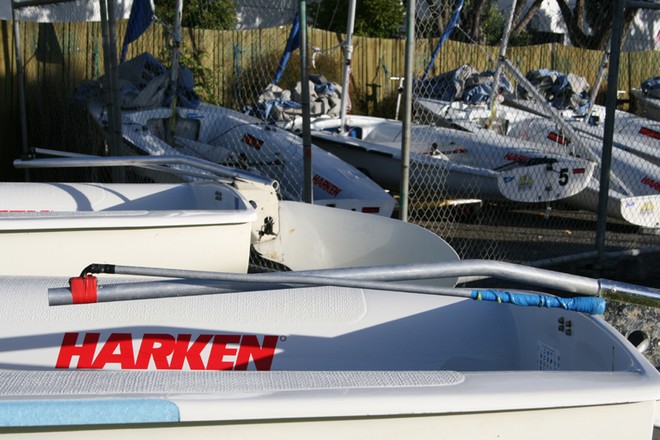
<point>533,234</point>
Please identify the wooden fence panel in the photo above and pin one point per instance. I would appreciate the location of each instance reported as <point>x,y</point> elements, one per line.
<point>526,58</point>
<point>9,117</point>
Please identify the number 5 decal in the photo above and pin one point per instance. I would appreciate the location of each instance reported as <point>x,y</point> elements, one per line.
<point>563,177</point>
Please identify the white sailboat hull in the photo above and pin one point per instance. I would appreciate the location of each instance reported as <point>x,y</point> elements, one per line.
<point>58,229</point>
<point>318,360</point>
<point>317,237</point>
<point>376,346</point>
<point>632,133</point>
<point>61,228</point>
<point>647,106</point>
<point>569,423</point>
<point>634,190</point>
<point>454,162</point>
<point>634,193</point>
<point>637,210</point>
<point>232,139</point>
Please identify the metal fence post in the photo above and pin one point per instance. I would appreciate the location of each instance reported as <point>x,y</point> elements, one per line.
<point>304,82</point>
<point>407,109</point>
<point>608,134</point>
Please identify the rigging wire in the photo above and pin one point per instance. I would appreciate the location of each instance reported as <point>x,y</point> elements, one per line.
<point>473,41</point>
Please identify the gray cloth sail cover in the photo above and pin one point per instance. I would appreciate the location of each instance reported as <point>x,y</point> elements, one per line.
<point>651,87</point>
<point>276,104</point>
<point>144,83</point>
<point>465,83</point>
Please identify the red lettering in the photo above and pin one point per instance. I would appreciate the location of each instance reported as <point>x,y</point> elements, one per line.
<point>156,346</point>
<point>219,350</point>
<point>326,185</point>
<point>167,352</point>
<point>648,132</point>
<point>118,349</point>
<point>190,353</point>
<point>261,355</point>
<point>22,210</point>
<point>85,352</point>
<point>457,150</point>
<point>513,157</point>
<point>556,137</point>
<point>252,141</point>
<point>651,183</point>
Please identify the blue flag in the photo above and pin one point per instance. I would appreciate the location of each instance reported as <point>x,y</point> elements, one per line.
<point>142,13</point>
<point>453,20</point>
<point>292,44</point>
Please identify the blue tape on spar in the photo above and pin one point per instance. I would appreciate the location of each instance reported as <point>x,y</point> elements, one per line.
<point>584,304</point>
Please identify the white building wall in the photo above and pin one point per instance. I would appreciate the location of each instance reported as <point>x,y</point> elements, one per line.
<point>642,34</point>
<point>80,10</point>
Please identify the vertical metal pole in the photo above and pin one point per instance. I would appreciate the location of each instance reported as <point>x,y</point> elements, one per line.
<point>174,70</point>
<point>110,61</point>
<point>348,53</point>
<point>119,175</point>
<point>599,80</point>
<point>103,7</point>
<point>407,110</point>
<point>500,62</point>
<point>304,82</point>
<point>20,77</point>
<point>610,107</point>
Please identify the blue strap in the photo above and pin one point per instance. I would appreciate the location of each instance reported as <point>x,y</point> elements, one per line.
<point>586,304</point>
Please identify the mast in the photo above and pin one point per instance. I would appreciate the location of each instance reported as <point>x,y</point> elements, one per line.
<point>599,80</point>
<point>308,189</point>
<point>504,63</point>
<point>619,7</point>
<point>348,53</point>
<point>500,63</point>
<point>174,70</point>
<point>407,111</point>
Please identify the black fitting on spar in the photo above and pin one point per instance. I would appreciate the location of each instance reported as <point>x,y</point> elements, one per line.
<point>98,268</point>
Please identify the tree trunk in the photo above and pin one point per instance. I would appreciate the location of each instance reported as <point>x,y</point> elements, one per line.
<point>480,10</point>
<point>521,23</point>
<point>600,32</point>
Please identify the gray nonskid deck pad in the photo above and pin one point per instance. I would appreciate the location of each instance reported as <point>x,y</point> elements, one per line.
<point>31,384</point>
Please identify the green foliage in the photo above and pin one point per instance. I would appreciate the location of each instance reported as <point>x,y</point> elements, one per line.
<point>486,20</point>
<point>373,18</point>
<point>328,66</point>
<point>481,22</point>
<point>203,77</point>
<point>206,14</point>
<point>365,103</point>
<point>521,39</point>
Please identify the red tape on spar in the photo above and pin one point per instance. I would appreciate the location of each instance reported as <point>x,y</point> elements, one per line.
<point>83,289</point>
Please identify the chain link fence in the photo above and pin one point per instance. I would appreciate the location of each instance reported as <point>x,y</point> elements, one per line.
<point>549,107</point>
<point>517,181</point>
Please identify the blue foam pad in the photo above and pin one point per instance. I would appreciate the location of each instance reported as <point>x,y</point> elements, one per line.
<point>86,412</point>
